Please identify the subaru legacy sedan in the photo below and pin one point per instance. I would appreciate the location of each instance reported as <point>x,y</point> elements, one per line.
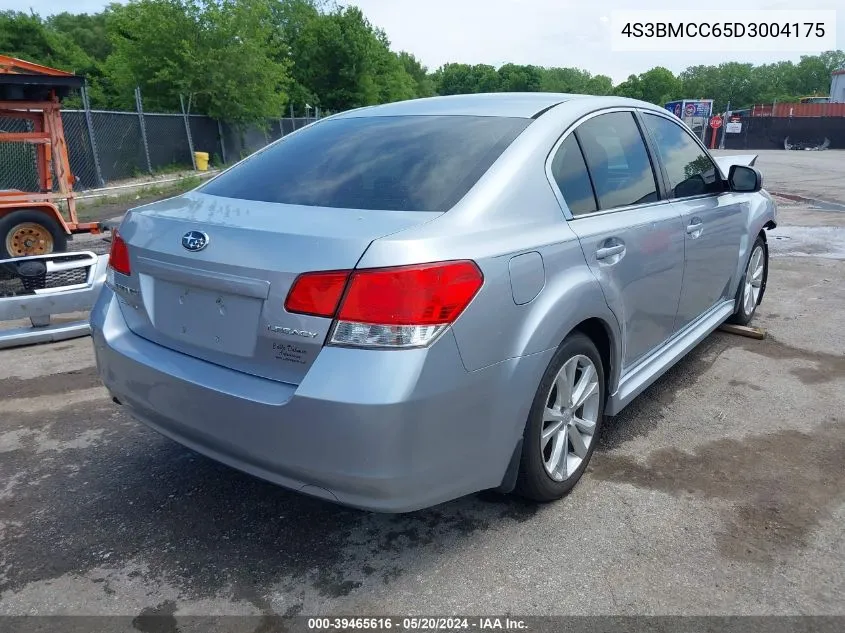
<point>404,304</point>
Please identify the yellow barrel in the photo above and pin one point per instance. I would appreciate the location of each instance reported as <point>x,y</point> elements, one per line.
<point>201,159</point>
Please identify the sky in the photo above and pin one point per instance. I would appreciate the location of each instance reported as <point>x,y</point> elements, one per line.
<point>541,32</point>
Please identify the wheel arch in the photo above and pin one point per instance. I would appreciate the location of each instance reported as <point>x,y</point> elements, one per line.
<point>573,300</point>
<point>601,334</point>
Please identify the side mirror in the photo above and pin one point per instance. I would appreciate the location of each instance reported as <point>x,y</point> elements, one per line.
<point>744,179</point>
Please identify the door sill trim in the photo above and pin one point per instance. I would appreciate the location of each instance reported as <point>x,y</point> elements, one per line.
<point>649,369</point>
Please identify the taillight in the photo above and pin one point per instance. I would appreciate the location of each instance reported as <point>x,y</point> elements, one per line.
<point>119,255</point>
<point>406,306</point>
<point>317,294</point>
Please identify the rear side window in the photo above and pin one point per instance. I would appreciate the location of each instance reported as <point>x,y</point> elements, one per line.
<point>689,168</point>
<point>570,174</point>
<point>404,163</point>
<point>617,159</point>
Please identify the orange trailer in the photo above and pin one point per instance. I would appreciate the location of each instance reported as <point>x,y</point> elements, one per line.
<point>38,222</point>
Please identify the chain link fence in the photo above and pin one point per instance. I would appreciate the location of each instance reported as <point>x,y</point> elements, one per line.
<point>106,147</point>
<point>17,160</point>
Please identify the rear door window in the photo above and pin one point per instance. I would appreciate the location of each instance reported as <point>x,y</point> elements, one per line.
<point>618,161</point>
<point>397,163</point>
<point>570,174</point>
<point>690,170</point>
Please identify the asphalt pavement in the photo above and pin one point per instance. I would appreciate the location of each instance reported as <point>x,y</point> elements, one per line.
<point>720,490</point>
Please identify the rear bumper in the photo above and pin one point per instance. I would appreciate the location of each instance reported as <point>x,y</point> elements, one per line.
<point>389,431</point>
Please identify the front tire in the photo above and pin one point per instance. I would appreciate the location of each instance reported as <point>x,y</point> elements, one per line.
<point>750,291</point>
<point>27,232</point>
<point>564,422</point>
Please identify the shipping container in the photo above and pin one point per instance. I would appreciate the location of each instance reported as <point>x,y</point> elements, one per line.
<point>798,109</point>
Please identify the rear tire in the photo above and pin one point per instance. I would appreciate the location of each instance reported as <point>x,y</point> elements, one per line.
<point>564,422</point>
<point>753,282</point>
<point>28,232</point>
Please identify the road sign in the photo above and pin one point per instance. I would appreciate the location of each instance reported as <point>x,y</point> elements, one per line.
<point>716,122</point>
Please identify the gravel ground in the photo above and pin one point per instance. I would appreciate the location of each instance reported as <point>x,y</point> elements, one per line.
<point>721,490</point>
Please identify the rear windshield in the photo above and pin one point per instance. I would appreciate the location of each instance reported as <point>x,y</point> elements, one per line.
<point>404,163</point>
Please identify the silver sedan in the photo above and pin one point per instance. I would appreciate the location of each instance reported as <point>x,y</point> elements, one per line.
<point>403,304</point>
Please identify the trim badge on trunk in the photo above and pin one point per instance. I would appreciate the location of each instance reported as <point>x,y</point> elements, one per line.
<point>195,241</point>
<point>291,331</point>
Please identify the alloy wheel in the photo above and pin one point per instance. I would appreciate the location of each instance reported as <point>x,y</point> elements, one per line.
<point>570,417</point>
<point>753,280</point>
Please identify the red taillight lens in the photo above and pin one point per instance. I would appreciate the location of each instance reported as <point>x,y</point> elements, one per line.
<point>119,255</point>
<point>317,293</point>
<point>423,294</point>
<point>402,307</point>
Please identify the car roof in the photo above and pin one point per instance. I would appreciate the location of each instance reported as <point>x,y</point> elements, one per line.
<point>505,104</point>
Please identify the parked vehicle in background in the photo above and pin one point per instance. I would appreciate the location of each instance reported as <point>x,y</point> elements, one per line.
<point>404,304</point>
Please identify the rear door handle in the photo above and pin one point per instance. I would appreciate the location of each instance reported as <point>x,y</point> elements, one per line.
<point>695,226</point>
<point>610,251</point>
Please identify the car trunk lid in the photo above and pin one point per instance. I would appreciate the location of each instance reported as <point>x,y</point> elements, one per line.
<point>224,302</point>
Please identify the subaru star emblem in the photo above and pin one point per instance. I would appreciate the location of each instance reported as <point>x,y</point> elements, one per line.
<point>195,240</point>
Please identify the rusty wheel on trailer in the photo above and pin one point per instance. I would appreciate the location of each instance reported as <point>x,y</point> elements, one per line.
<point>24,233</point>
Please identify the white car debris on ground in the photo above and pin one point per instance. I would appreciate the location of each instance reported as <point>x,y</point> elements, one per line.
<point>43,298</point>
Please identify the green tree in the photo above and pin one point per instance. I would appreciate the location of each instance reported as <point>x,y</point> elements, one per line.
<point>600,85</point>
<point>27,36</point>
<point>813,72</point>
<point>454,79</point>
<point>245,60</point>
<point>631,88</point>
<point>221,52</point>
<point>657,85</point>
<point>660,85</point>
<point>87,31</point>
<point>395,83</point>
<point>344,62</point>
<point>419,73</point>
<point>90,34</point>
<point>292,19</point>
<point>775,82</point>
<point>574,80</point>
<point>516,78</point>
<point>743,84</point>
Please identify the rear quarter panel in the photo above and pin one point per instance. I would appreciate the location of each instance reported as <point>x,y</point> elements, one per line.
<point>510,212</point>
